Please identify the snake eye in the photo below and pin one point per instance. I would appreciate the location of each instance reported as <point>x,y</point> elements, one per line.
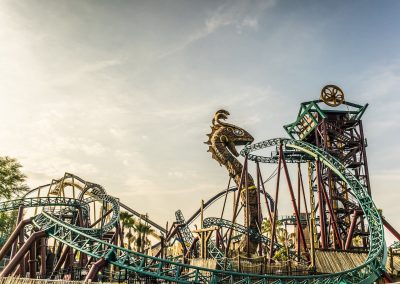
<point>238,132</point>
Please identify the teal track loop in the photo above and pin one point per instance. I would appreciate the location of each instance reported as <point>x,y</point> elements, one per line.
<point>89,241</point>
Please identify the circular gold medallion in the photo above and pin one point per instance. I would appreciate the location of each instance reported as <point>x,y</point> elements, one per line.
<point>332,95</point>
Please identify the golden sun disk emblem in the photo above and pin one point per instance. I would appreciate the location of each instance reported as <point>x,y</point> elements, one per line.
<point>332,95</point>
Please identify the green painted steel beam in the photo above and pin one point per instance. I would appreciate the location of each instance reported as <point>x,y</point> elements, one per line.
<point>88,241</point>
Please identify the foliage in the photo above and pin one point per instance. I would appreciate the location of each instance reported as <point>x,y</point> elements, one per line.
<point>12,180</point>
<point>266,227</point>
<point>143,230</point>
<point>130,224</point>
<point>124,218</point>
<point>283,238</point>
<point>12,185</point>
<point>357,241</point>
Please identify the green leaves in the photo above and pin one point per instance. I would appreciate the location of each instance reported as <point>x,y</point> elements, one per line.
<point>12,180</point>
<point>12,185</point>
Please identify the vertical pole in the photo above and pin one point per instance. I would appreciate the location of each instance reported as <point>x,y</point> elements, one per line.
<point>162,240</point>
<point>235,206</point>
<point>351,230</point>
<point>259,207</point>
<point>364,155</point>
<point>266,198</point>
<point>19,219</point>
<point>312,225</point>
<point>298,206</point>
<point>32,261</point>
<point>73,188</point>
<point>36,208</point>
<point>271,251</point>
<point>296,212</point>
<point>43,247</point>
<point>322,223</point>
<point>333,219</point>
<point>239,260</point>
<point>308,216</point>
<point>21,241</point>
<point>390,254</point>
<point>304,196</point>
<point>95,269</point>
<point>201,213</point>
<point>226,196</point>
<point>62,258</point>
<point>94,211</point>
<point>322,219</point>
<point>221,240</point>
<point>248,221</point>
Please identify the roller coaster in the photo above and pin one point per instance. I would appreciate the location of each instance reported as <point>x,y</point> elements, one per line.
<point>74,231</point>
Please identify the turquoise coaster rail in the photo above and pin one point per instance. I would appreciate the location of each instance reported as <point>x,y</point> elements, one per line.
<point>163,269</point>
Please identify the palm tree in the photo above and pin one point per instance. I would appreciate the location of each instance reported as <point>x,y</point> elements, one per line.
<point>286,240</point>
<point>266,227</point>
<point>148,231</point>
<point>124,218</point>
<point>143,231</point>
<point>282,237</point>
<point>131,239</point>
<point>130,224</point>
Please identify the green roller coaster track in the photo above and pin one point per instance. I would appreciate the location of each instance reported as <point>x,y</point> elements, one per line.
<point>219,222</point>
<point>87,240</point>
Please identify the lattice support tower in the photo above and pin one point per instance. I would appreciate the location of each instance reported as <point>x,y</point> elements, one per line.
<point>338,130</point>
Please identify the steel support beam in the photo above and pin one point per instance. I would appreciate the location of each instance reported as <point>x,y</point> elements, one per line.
<point>98,265</point>
<point>21,253</point>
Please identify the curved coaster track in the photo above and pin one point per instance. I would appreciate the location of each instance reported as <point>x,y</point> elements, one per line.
<point>88,240</point>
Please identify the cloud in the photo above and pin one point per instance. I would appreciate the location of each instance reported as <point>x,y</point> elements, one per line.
<point>250,22</point>
<point>379,86</point>
<point>380,81</point>
<point>81,72</point>
<point>95,149</point>
<point>241,15</point>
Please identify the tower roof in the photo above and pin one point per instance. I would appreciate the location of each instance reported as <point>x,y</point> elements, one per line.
<point>312,112</point>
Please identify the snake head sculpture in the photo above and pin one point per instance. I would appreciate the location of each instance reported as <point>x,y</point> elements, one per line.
<point>224,138</point>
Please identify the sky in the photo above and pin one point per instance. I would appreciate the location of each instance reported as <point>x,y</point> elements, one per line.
<point>122,93</point>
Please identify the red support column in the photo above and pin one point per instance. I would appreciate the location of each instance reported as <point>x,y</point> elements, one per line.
<point>298,206</point>
<point>21,252</point>
<point>273,233</point>
<point>19,219</point>
<point>43,249</point>
<point>62,259</point>
<point>351,230</point>
<point>236,206</point>
<point>322,221</point>
<point>32,260</point>
<point>247,210</point>
<point>13,237</point>
<point>95,269</point>
<point>333,219</point>
<point>192,247</point>
<point>265,194</point>
<point>259,207</point>
<point>296,212</point>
